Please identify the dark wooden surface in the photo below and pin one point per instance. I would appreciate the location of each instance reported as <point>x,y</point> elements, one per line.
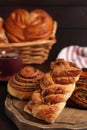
<point>5,122</point>
<point>72,30</point>
<point>74,120</point>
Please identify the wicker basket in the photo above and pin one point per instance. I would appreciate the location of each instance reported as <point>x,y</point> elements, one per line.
<point>35,52</point>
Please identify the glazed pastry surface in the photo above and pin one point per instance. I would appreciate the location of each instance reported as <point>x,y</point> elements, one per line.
<point>22,25</point>
<point>25,82</point>
<point>47,102</point>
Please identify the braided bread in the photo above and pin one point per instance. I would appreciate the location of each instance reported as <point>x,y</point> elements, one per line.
<point>25,82</point>
<point>52,96</point>
<point>22,25</point>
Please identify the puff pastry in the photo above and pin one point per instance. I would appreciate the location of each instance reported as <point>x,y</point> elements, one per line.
<point>48,102</point>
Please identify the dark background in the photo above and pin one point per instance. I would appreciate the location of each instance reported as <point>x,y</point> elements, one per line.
<point>71,16</point>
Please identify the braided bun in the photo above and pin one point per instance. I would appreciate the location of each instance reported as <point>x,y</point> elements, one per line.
<point>24,26</point>
<point>53,95</point>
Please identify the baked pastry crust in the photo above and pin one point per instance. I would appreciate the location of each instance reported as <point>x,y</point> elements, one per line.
<point>46,81</point>
<point>61,68</point>
<point>22,25</point>
<point>40,26</point>
<point>41,110</point>
<point>15,24</point>
<point>47,103</point>
<point>25,82</point>
<point>20,94</point>
<point>79,96</point>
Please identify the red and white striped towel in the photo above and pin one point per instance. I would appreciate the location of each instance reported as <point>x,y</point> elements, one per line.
<point>75,54</point>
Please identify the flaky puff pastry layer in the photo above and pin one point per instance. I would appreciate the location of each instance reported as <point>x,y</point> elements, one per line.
<point>48,102</point>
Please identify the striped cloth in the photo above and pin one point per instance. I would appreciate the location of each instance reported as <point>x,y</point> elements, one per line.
<point>75,54</point>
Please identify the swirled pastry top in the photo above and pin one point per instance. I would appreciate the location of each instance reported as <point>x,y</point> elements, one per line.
<point>63,68</point>
<point>22,25</point>
<point>79,96</point>
<point>22,84</point>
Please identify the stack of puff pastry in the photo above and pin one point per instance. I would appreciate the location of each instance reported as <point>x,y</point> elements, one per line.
<point>56,87</point>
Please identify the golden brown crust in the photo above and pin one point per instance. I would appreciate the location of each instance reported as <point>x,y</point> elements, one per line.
<point>79,96</point>
<point>63,80</point>
<point>12,38</point>
<point>57,93</point>
<point>41,110</point>
<point>12,29</point>
<point>15,24</point>
<point>49,113</point>
<point>23,85</point>
<point>25,81</point>
<point>22,25</point>
<point>56,87</point>
<point>20,94</point>
<point>63,68</point>
<point>36,100</point>
<point>31,73</point>
<point>40,27</point>
<point>46,81</point>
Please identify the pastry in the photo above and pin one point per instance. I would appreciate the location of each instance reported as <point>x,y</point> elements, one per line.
<point>15,24</point>
<point>52,96</point>
<point>41,110</point>
<point>79,96</point>
<point>25,82</point>
<point>3,37</point>
<point>60,69</point>
<point>22,25</point>
<point>40,26</point>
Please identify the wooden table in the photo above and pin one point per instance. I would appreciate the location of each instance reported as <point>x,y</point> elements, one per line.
<point>70,118</point>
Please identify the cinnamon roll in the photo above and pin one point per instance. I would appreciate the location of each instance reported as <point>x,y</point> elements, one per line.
<point>79,96</point>
<point>25,82</point>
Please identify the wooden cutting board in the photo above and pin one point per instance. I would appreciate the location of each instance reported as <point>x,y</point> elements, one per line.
<point>70,118</point>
